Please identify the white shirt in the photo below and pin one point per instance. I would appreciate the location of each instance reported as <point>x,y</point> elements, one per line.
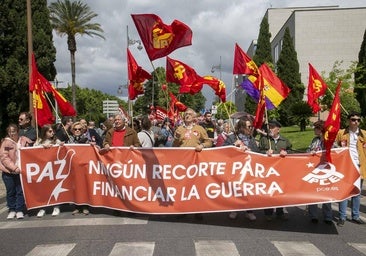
<point>144,137</point>
<point>353,146</point>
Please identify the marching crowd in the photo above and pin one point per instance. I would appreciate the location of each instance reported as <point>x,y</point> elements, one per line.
<point>194,131</point>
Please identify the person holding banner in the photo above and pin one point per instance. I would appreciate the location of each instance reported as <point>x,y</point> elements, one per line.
<point>317,144</point>
<point>10,170</point>
<point>190,134</point>
<point>354,138</point>
<point>79,136</point>
<point>47,139</point>
<point>120,135</point>
<point>243,138</point>
<point>274,144</point>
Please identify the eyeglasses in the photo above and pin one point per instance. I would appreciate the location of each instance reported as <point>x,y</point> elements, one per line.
<point>77,129</point>
<point>355,119</point>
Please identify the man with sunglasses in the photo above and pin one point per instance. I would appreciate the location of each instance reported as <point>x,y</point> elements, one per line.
<point>26,128</point>
<point>354,138</point>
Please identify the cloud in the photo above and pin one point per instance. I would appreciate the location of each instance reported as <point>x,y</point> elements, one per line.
<point>217,25</point>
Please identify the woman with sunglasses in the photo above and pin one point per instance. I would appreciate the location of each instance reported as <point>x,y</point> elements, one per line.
<point>46,139</point>
<point>243,138</point>
<point>79,137</point>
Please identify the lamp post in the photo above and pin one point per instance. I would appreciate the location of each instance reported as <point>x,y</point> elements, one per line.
<point>217,67</point>
<point>55,83</point>
<point>139,47</point>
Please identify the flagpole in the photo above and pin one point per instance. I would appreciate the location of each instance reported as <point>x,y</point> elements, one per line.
<point>339,103</point>
<point>30,51</point>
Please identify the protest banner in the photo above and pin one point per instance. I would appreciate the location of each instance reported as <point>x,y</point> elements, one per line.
<point>181,180</point>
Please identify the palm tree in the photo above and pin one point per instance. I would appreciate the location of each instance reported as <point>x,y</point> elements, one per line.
<point>72,18</point>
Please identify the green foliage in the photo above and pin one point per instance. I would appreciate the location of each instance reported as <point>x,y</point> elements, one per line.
<point>360,76</point>
<point>224,110</point>
<point>14,55</point>
<point>90,103</point>
<point>263,52</point>
<point>289,72</point>
<point>299,140</point>
<point>72,18</point>
<point>347,95</point>
<point>161,97</point>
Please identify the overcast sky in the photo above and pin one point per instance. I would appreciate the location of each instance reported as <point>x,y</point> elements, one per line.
<point>216,24</point>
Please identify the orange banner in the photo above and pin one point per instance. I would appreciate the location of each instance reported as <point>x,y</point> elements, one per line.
<point>180,180</point>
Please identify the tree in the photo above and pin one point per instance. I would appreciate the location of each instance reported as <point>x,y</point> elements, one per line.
<point>347,94</point>
<point>14,55</point>
<point>73,18</point>
<point>289,72</point>
<point>360,76</point>
<point>225,110</point>
<point>161,97</point>
<point>263,53</point>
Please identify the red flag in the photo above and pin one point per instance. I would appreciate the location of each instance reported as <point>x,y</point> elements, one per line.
<point>243,64</point>
<point>136,76</point>
<point>217,85</point>
<point>182,74</point>
<point>39,86</point>
<point>316,89</point>
<point>174,102</point>
<point>274,88</point>
<point>158,38</point>
<point>332,124</point>
<point>261,107</point>
<point>64,106</point>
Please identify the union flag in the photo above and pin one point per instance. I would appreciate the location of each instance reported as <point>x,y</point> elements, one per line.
<point>158,38</point>
<point>136,76</point>
<point>217,85</point>
<point>316,89</point>
<point>182,74</point>
<point>243,64</point>
<point>261,106</point>
<point>332,124</point>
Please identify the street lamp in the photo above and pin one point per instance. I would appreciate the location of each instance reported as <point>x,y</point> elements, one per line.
<point>130,41</point>
<point>217,67</point>
<point>55,83</point>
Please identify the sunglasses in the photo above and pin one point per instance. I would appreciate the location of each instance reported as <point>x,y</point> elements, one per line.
<point>77,129</point>
<point>355,119</point>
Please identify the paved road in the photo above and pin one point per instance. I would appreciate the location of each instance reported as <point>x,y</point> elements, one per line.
<point>101,233</point>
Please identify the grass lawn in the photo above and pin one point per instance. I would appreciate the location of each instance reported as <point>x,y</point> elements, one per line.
<point>300,140</point>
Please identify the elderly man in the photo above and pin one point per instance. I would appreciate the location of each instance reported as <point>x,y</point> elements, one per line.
<point>120,135</point>
<point>190,134</point>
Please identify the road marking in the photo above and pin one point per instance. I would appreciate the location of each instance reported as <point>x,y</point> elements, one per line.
<point>215,247</point>
<point>40,223</point>
<point>297,248</point>
<point>360,247</point>
<point>51,249</point>
<point>133,249</point>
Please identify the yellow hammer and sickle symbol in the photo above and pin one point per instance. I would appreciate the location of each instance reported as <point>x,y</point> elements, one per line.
<point>317,85</point>
<point>179,71</point>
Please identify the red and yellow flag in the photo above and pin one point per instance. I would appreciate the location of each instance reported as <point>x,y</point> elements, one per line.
<point>316,89</point>
<point>136,77</point>
<point>243,64</point>
<point>332,124</point>
<point>38,86</point>
<point>158,38</point>
<point>182,74</point>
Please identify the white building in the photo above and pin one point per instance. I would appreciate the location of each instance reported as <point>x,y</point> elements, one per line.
<point>321,35</point>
